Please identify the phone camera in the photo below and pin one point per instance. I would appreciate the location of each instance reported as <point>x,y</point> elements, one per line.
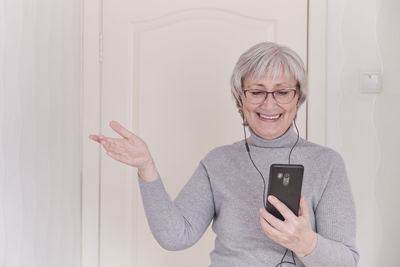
<point>286,179</point>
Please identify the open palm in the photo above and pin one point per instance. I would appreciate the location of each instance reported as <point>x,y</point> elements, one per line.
<point>130,149</point>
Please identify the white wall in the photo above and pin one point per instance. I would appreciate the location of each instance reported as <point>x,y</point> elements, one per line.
<point>363,35</point>
<point>40,132</point>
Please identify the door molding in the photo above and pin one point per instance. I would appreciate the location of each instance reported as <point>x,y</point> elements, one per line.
<point>316,64</point>
<point>92,88</point>
<point>91,123</point>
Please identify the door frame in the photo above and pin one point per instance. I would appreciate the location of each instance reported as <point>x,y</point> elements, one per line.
<point>91,111</point>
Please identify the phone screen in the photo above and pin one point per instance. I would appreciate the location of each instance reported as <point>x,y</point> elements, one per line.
<point>285,182</point>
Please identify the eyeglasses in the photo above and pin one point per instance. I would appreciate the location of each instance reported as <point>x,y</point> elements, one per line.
<point>281,96</point>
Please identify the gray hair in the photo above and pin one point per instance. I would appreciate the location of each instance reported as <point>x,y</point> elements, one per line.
<point>269,59</point>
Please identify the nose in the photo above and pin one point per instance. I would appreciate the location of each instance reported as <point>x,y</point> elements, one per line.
<point>269,101</point>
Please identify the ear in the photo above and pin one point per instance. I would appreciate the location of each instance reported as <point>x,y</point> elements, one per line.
<point>239,102</point>
<point>298,101</point>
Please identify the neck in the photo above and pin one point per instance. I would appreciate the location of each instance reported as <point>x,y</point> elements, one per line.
<point>288,139</point>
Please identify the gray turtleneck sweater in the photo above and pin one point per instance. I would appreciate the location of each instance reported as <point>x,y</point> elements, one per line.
<point>227,190</point>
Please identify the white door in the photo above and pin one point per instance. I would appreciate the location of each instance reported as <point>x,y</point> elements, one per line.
<point>165,75</point>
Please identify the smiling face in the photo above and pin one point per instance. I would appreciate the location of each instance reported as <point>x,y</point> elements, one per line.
<point>269,120</point>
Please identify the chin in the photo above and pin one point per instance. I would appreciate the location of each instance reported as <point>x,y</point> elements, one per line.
<point>270,133</point>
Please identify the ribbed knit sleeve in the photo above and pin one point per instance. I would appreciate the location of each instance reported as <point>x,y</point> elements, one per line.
<point>335,221</point>
<point>179,224</point>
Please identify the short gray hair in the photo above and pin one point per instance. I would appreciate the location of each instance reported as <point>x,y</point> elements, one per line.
<point>273,60</point>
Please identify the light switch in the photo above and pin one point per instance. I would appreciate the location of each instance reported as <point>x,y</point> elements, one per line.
<point>370,82</point>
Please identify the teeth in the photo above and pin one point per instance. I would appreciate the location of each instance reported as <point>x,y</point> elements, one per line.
<point>269,117</point>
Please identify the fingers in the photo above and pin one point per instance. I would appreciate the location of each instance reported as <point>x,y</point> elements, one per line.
<point>282,208</point>
<point>94,138</point>
<point>120,130</point>
<point>267,227</point>
<point>97,138</point>
<point>114,145</point>
<point>130,149</point>
<point>117,128</point>
<point>271,219</point>
<point>295,232</point>
<point>102,139</point>
<point>303,208</point>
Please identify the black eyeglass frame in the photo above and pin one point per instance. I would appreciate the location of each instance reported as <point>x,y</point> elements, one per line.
<point>273,94</point>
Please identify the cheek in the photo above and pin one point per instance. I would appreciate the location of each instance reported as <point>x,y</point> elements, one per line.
<point>248,110</point>
<point>292,109</point>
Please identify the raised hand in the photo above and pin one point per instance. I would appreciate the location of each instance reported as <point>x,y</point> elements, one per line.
<point>295,233</point>
<point>129,149</point>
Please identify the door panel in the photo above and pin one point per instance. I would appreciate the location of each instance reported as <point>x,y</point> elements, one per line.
<point>166,76</point>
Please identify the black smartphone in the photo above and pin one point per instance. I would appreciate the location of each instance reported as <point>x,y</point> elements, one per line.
<point>285,182</point>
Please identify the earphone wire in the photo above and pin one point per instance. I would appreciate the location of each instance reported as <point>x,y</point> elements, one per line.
<point>262,176</point>
<point>288,262</point>
<point>297,140</point>
<point>251,159</point>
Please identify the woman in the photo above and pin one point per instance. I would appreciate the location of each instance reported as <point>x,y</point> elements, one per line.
<point>269,85</point>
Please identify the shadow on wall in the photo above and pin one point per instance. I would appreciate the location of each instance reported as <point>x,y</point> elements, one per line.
<point>388,130</point>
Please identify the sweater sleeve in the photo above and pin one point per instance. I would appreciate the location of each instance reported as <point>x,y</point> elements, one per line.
<point>179,224</point>
<point>335,222</point>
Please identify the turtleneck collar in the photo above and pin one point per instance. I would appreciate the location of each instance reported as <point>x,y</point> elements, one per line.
<point>286,140</point>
